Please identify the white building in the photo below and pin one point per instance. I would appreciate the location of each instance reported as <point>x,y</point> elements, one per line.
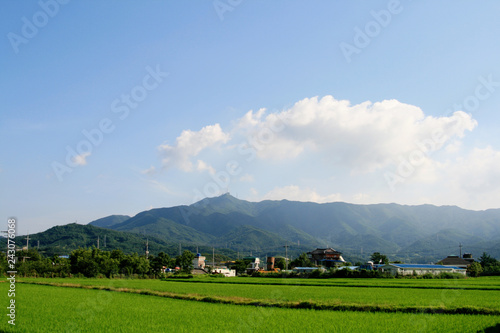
<point>226,271</point>
<point>199,261</point>
<point>254,264</point>
<point>408,269</point>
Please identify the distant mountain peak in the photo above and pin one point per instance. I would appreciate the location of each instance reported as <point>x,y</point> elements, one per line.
<point>109,221</point>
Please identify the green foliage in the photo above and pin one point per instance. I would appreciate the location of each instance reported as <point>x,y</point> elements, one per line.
<point>301,261</point>
<point>185,261</point>
<point>162,260</point>
<point>31,263</point>
<point>475,269</point>
<point>240,266</point>
<point>376,257</point>
<point>486,260</point>
<point>280,263</point>
<point>252,238</point>
<point>94,262</point>
<point>490,265</point>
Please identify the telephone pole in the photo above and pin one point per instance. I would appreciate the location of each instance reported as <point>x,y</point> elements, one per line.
<point>460,246</point>
<point>286,256</point>
<point>147,248</point>
<point>27,241</point>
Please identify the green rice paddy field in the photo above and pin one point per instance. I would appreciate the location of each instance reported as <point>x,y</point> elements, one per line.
<point>255,304</point>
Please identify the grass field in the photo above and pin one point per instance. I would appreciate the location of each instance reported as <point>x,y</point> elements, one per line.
<point>54,308</point>
<point>57,309</point>
<point>386,297</point>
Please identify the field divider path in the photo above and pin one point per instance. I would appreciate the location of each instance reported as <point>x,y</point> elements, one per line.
<point>391,286</point>
<point>281,304</point>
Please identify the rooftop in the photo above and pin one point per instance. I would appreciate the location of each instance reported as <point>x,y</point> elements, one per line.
<point>428,266</point>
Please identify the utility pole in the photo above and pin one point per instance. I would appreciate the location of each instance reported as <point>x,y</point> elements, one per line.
<point>460,246</point>
<point>38,246</point>
<point>286,256</point>
<point>27,241</point>
<point>147,248</point>
<point>213,257</point>
<point>98,242</point>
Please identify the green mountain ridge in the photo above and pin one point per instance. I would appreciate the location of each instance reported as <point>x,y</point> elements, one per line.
<point>109,221</point>
<point>419,234</point>
<point>400,230</point>
<point>61,240</point>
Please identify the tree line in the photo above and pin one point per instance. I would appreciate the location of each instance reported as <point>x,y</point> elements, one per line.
<point>93,262</point>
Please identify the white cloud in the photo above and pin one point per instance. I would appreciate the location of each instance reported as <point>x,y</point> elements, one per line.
<point>190,144</point>
<point>159,186</point>
<point>361,197</point>
<point>478,172</point>
<point>81,159</point>
<point>248,178</point>
<point>295,193</point>
<point>454,147</point>
<point>202,166</point>
<point>150,171</point>
<point>363,137</point>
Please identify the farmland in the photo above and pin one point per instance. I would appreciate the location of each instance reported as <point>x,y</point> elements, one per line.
<point>393,305</point>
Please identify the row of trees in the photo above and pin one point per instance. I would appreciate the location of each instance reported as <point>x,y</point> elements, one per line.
<point>94,262</point>
<point>487,265</point>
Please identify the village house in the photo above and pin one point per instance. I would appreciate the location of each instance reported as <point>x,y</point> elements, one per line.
<point>199,261</point>
<point>254,264</point>
<point>327,257</point>
<point>463,262</point>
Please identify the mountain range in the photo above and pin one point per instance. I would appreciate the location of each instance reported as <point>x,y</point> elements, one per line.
<point>419,234</point>
<point>422,233</point>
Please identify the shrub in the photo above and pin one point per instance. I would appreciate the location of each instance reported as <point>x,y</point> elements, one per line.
<point>316,274</point>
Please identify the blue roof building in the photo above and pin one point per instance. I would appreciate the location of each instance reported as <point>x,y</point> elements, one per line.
<point>420,269</point>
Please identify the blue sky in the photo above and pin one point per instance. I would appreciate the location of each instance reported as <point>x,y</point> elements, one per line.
<point>117,107</point>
